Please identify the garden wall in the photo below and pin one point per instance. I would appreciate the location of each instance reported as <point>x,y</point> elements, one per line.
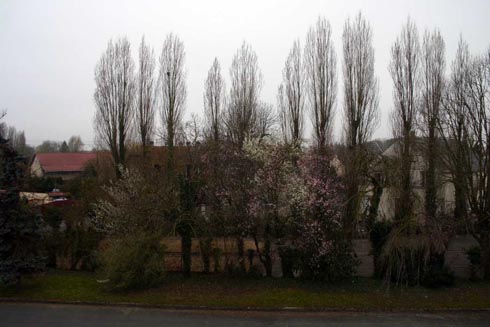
<point>455,255</point>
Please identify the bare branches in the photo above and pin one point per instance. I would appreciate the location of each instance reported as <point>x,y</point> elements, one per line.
<point>214,100</point>
<point>478,139</point>
<point>145,115</point>
<point>75,144</point>
<point>114,98</point>
<point>264,122</point>
<point>172,87</point>
<point>453,125</point>
<point>290,97</point>
<point>404,69</point>
<point>453,118</point>
<point>433,83</point>
<point>321,73</point>
<point>246,84</point>
<point>361,114</point>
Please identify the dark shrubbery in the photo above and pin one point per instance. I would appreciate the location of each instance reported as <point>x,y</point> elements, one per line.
<point>339,263</point>
<point>290,260</point>
<point>255,271</point>
<point>217,252</point>
<point>474,256</point>
<point>378,236</point>
<point>134,262</point>
<point>20,227</point>
<point>42,184</point>
<point>438,276</point>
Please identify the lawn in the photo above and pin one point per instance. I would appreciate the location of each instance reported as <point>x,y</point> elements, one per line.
<point>221,291</point>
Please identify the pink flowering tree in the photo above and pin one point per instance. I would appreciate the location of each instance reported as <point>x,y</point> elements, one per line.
<point>325,254</point>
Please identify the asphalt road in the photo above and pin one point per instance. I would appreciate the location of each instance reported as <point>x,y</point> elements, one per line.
<point>15,314</point>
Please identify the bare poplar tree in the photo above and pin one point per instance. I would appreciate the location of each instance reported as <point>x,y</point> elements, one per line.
<point>214,100</point>
<point>243,105</point>
<point>453,123</point>
<point>476,154</point>
<point>433,83</point>
<point>244,119</point>
<point>321,75</point>
<point>465,128</point>
<point>145,115</point>
<point>291,99</point>
<point>404,68</point>
<point>114,99</point>
<point>361,114</point>
<point>172,89</point>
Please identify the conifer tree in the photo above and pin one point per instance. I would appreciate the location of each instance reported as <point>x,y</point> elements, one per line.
<point>19,227</point>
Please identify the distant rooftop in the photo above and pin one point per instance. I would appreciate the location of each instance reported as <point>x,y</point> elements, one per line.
<point>64,162</point>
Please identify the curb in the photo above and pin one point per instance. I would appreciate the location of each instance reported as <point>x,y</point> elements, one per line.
<point>242,309</point>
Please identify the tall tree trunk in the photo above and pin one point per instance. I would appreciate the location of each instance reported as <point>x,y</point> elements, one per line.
<point>241,255</point>
<point>186,247</point>
<point>430,183</point>
<point>267,257</point>
<point>460,207</point>
<point>485,253</point>
<point>405,205</point>
<point>205,245</point>
<point>352,207</point>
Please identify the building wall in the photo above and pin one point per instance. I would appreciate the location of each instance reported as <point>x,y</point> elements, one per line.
<point>36,169</point>
<point>388,200</point>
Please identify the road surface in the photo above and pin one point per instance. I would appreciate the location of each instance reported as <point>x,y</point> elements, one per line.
<point>17,314</point>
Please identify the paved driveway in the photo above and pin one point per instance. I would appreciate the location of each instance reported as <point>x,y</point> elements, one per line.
<point>79,315</point>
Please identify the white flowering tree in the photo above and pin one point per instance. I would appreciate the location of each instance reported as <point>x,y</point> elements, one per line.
<point>132,204</point>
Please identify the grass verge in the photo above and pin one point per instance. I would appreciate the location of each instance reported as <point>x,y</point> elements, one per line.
<point>221,291</point>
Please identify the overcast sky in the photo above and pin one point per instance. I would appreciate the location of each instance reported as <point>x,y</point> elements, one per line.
<point>49,49</point>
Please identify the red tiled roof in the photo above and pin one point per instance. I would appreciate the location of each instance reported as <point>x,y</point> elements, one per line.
<point>64,162</point>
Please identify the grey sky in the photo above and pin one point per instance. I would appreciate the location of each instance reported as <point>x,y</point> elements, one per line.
<point>49,49</point>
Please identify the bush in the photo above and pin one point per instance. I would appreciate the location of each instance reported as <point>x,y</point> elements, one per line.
<point>217,252</point>
<point>378,236</point>
<point>79,246</point>
<point>404,259</point>
<point>340,262</point>
<point>255,271</point>
<point>290,260</point>
<point>233,269</point>
<point>437,277</point>
<point>205,247</point>
<point>70,241</point>
<point>135,262</point>
<point>474,256</point>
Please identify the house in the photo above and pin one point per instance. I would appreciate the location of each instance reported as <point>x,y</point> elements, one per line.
<point>389,200</point>
<point>60,164</point>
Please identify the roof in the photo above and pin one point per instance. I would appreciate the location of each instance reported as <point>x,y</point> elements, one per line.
<point>64,161</point>
<point>379,146</point>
